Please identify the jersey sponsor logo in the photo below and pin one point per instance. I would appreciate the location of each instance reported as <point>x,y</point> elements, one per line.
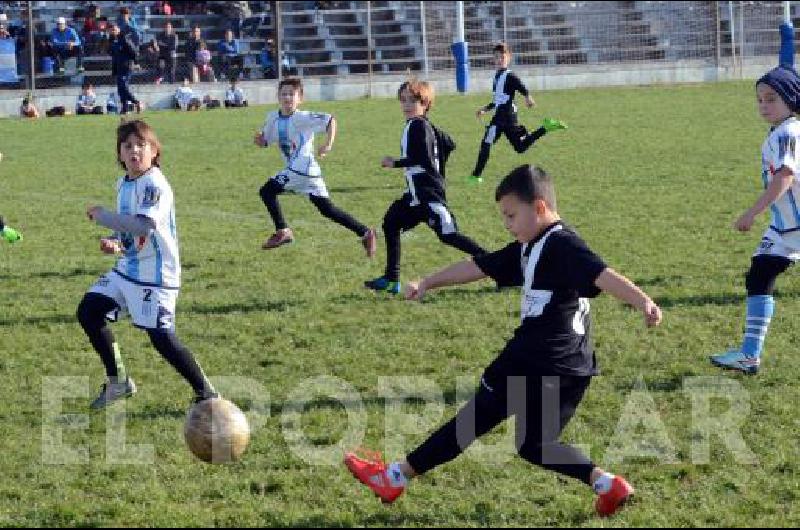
<point>151,197</point>
<point>766,244</point>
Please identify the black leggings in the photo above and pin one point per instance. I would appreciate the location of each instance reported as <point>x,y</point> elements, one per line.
<point>542,405</point>
<point>401,216</point>
<point>517,135</point>
<point>764,270</point>
<point>269,194</point>
<point>92,313</point>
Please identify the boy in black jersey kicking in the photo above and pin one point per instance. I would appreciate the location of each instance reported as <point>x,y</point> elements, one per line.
<point>505,85</point>
<point>424,153</point>
<point>541,375</point>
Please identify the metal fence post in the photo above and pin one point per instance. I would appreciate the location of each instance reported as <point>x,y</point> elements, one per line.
<point>425,63</point>
<point>279,40</point>
<point>505,22</point>
<point>31,53</point>
<point>369,49</point>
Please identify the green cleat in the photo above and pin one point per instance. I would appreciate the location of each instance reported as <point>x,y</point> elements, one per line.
<point>472,179</point>
<point>11,235</point>
<point>552,124</point>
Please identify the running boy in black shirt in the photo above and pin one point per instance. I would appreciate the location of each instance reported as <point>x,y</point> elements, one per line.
<point>543,372</point>
<point>423,159</point>
<point>504,86</point>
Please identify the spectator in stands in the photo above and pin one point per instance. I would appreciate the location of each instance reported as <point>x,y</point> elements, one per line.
<point>185,98</point>
<point>230,57</point>
<point>167,46</point>
<point>28,108</point>
<point>190,53</point>
<point>87,100</point>
<point>123,56</point>
<point>205,71</point>
<point>66,44</point>
<point>288,64</point>
<point>128,25</point>
<point>234,96</point>
<point>4,33</point>
<point>163,8</point>
<point>95,31</point>
<point>44,48</point>
<point>268,65</point>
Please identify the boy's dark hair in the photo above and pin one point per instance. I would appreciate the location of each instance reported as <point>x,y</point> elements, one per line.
<point>141,130</point>
<point>87,84</point>
<point>502,47</point>
<point>528,183</point>
<point>294,82</point>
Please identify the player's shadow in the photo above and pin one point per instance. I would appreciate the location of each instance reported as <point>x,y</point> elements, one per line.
<point>449,397</point>
<point>278,306</point>
<point>150,412</point>
<point>49,275</point>
<point>356,189</point>
<point>34,321</point>
<point>716,299</point>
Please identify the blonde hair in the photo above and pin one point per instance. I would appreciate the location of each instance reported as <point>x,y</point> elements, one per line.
<point>421,91</point>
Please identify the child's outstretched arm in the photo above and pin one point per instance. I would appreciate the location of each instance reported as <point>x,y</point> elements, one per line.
<point>463,272</point>
<point>326,148</point>
<point>781,182</point>
<point>622,288</point>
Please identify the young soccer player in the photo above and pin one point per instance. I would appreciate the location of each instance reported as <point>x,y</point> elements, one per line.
<point>778,94</point>
<point>543,372</point>
<point>146,279</point>
<point>505,85</point>
<point>424,200</point>
<point>8,233</point>
<point>293,130</point>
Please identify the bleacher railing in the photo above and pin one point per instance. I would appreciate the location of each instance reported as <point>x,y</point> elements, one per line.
<point>380,37</point>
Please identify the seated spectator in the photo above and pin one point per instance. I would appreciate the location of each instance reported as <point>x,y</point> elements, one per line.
<point>28,108</point>
<point>230,56</point>
<point>185,98</point>
<point>267,58</point>
<point>167,45</point>
<point>4,33</point>
<point>163,8</point>
<point>66,43</point>
<point>234,96</point>
<point>202,62</point>
<point>288,64</point>
<point>87,101</point>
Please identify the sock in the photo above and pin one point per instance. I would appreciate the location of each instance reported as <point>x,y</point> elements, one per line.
<point>122,375</point>
<point>759,314</point>
<point>396,476</point>
<point>603,484</point>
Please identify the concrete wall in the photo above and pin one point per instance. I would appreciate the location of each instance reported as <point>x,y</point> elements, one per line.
<point>357,86</point>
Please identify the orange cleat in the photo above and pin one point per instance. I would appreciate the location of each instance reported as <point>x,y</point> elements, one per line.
<point>608,504</point>
<point>373,474</point>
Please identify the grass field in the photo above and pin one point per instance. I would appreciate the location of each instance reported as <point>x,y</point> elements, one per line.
<point>652,178</point>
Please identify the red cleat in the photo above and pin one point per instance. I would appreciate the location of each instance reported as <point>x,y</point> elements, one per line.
<point>372,473</point>
<point>608,504</point>
<point>281,237</point>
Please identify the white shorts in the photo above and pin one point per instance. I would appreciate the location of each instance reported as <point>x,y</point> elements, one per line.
<point>148,307</point>
<point>781,245</point>
<point>297,183</point>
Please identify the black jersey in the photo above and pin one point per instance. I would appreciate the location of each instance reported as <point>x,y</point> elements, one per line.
<point>557,272</point>
<point>505,85</point>
<point>420,159</point>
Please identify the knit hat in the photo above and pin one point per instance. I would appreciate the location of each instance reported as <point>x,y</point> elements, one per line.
<point>786,82</point>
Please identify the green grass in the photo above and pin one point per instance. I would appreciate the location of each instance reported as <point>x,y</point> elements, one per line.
<point>652,178</point>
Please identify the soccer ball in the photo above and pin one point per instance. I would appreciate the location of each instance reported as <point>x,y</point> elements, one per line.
<point>216,431</point>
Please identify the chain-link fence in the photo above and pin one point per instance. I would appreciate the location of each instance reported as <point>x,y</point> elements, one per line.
<point>320,38</point>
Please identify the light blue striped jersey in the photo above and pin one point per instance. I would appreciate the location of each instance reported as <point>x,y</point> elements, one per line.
<point>152,259</point>
<point>780,149</point>
<point>294,136</point>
